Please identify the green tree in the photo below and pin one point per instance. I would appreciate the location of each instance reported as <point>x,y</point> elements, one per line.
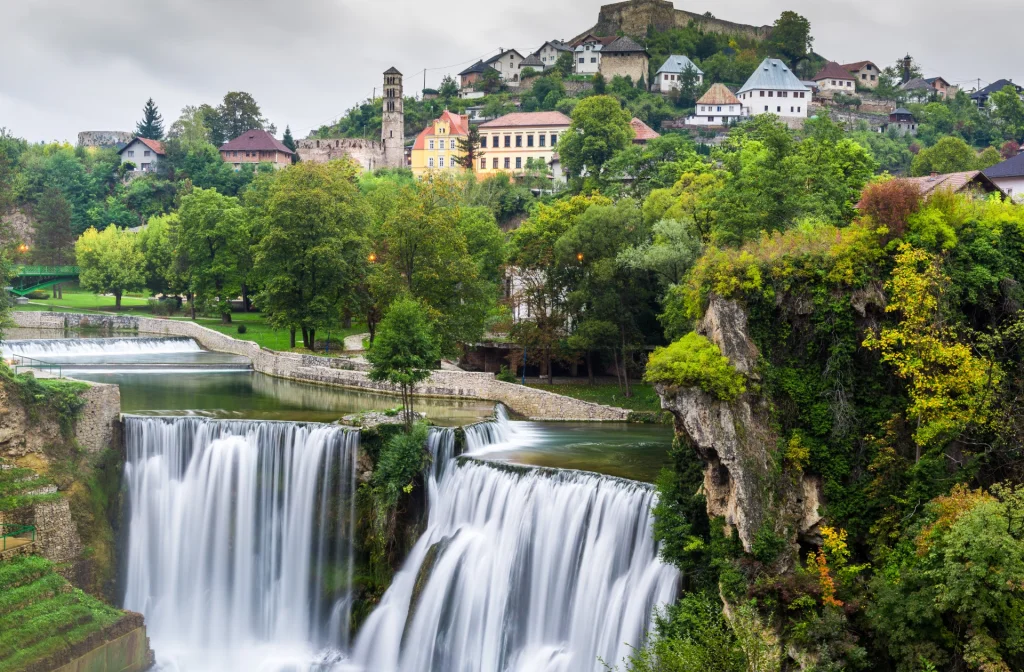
<point>469,149</point>
<point>288,141</point>
<point>791,38</point>
<point>157,244</point>
<point>152,124</point>
<point>110,262</point>
<point>1008,108</point>
<point>600,85</point>
<point>312,253</point>
<point>54,239</point>
<point>238,113</point>
<point>448,90</point>
<point>209,244</point>
<point>490,81</point>
<point>948,155</point>
<point>497,106</point>
<point>404,351</point>
<point>190,129</point>
<point>599,129</point>
<point>565,64</point>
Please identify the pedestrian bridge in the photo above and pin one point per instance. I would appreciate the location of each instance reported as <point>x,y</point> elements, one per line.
<point>27,279</point>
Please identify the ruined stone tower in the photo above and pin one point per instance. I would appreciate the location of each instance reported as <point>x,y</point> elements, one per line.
<point>393,125</point>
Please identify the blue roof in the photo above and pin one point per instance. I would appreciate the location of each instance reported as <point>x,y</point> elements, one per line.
<point>773,74</point>
<point>677,65</point>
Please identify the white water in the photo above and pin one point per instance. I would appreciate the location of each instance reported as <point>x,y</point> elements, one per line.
<point>520,570</point>
<point>501,434</point>
<point>115,347</point>
<point>236,531</point>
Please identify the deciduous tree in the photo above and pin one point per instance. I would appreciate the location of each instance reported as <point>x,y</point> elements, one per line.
<point>404,351</point>
<point>110,262</point>
<point>209,243</point>
<point>599,129</point>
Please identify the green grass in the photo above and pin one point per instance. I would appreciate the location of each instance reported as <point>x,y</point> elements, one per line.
<point>75,300</point>
<point>644,397</point>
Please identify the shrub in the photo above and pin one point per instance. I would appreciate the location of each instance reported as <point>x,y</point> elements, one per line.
<point>891,204</point>
<point>506,376</point>
<point>242,328</point>
<point>163,306</point>
<point>38,295</point>
<point>694,361</point>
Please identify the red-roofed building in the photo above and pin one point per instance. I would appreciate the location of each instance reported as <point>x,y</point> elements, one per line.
<point>834,77</point>
<point>865,72</point>
<point>143,154</point>
<point>256,146</point>
<point>509,143</point>
<point>642,133</point>
<point>437,146</point>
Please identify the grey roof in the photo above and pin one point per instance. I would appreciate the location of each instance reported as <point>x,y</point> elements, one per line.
<point>500,55</point>
<point>532,60</point>
<point>773,74</point>
<point>916,84</point>
<point>675,64</point>
<point>997,85</point>
<point>623,45</point>
<point>902,110</point>
<point>392,71</point>
<point>557,45</point>
<point>477,67</point>
<point>1010,168</point>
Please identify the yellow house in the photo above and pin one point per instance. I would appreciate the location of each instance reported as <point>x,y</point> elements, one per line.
<point>509,142</point>
<point>437,147</point>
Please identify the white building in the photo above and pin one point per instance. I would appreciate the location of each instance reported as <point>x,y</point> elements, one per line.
<point>551,51</point>
<point>835,78</point>
<point>774,89</point>
<point>718,107</point>
<point>587,52</point>
<point>669,77</point>
<point>1009,176</point>
<point>142,153</point>
<point>508,63</point>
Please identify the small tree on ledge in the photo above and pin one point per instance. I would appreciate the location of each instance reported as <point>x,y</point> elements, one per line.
<point>404,351</point>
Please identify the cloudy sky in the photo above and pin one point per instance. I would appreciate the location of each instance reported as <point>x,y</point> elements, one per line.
<point>74,65</point>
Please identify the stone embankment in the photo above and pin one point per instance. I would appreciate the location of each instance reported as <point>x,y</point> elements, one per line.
<point>524,401</point>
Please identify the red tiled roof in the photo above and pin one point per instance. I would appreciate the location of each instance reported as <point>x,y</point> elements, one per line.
<point>642,132</point>
<point>256,140</point>
<point>529,119</point>
<point>459,125</point>
<point>603,41</point>
<point>155,145</point>
<point>955,182</point>
<point>832,70</point>
<point>856,67</point>
<point>719,94</point>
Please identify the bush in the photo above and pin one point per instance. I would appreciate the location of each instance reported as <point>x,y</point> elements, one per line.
<point>506,376</point>
<point>163,306</point>
<point>38,295</point>
<point>694,361</point>
<point>891,204</point>
<point>242,328</point>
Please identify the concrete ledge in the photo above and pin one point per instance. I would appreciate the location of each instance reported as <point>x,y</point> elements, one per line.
<point>527,402</point>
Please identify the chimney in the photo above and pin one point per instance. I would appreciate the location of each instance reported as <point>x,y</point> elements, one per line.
<point>907,63</point>
<point>935,173</point>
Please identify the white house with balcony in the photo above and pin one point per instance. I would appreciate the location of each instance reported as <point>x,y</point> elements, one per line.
<point>774,89</point>
<point>670,74</point>
<point>718,107</point>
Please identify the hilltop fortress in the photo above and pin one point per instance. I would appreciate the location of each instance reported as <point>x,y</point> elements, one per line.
<point>635,16</point>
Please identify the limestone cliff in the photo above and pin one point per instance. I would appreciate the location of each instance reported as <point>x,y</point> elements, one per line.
<point>744,483</point>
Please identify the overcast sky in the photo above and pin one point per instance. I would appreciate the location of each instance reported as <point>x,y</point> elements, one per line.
<point>74,65</point>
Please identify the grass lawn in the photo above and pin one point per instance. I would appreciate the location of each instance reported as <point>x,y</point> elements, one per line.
<point>644,397</point>
<point>76,300</point>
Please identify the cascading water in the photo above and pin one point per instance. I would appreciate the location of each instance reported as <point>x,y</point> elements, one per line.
<point>239,549</point>
<point>520,570</point>
<point>114,347</point>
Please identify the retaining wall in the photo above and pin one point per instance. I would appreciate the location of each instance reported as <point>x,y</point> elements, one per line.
<point>528,402</point>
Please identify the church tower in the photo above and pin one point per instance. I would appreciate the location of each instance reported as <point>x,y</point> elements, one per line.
<point>393,126</point>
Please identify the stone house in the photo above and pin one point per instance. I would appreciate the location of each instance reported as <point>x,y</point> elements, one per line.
<point>902,121</point>
<point>774,89</point>
<point>718,107</point>
<point>669,75</point>
<point>942,87</point>
<point>437,146</point>
<point>551,51</point>
<point>625,58</point>
<point>834,78</point>
<point>1009,176</point>
<point>508,143</point>
<point>472,75</point>
<point>587,53</point>
<point>256,146</point>
<point>865,72</point>
<point>925,88</point>
<point>144,154</point>
<point>508,63</point>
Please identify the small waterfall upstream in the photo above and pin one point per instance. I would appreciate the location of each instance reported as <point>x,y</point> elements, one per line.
<point>117,347</point>
<point>239,548</point>
<point>520,570</point>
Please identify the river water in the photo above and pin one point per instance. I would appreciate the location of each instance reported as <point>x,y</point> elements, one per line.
<point>537,554</point>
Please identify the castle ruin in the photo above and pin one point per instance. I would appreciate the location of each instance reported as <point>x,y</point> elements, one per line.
<point>389,152</point>
<point>636,16</point>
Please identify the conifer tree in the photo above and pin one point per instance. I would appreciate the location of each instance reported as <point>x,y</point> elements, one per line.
<point>152,124</point>
<point>289,142</point>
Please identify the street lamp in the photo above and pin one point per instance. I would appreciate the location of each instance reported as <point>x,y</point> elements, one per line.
<point>579,257</point>
<point>372,258</point>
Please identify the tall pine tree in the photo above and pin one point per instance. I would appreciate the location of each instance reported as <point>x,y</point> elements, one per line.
<point>289,142</point>
<point>152,124</point>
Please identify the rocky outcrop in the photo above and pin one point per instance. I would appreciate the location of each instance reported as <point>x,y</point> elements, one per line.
<point>737,443</point>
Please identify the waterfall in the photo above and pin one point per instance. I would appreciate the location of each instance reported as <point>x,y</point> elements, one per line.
<point>520,570</point>
<point>117,347</point>
<point>239,549</point>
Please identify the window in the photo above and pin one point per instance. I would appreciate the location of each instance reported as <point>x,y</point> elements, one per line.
<point>483,141</point>
<point>519,141</point>
<point>430,162</point>
<point>719,109</point>
<point>711,120</point>
<point>483,164</point>
<point>762,94</point>
<point>771,94</point>
<point>798,109</point>
<point>494,164</point>
<point>508,140</point>
<point>519,162</point>
<point>541,139</point>
<point>593,59</point>
<point>791,109</point>
<point>440,162</point>
<point>451,144</point>
<point>554,139</point>
<point>147,153</point>
<point>582,60</point>
<point>833,82</point>
<point>145,167</point>
<point>529,141</point>
<point>508,163</point>
<point>863,76</point>
<point>430,144</point>
<point>872,78</point>
<point>778,108</point>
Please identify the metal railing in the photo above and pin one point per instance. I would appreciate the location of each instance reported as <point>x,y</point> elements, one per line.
<point>21,362</point>
<point>45,270</point>
<point>10,531</point>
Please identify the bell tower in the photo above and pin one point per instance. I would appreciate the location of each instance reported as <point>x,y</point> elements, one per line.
<point>393,123</point>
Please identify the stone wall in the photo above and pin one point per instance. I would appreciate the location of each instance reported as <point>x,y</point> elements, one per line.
<point>367,153</point>
<point>22,225</point>
<point>98,422</point>
<point>629,65</point>
<point>104,138</point>
<point>634,18</point>
<point>525,401</point>
<point>57,537</point>
<point>122,647</point>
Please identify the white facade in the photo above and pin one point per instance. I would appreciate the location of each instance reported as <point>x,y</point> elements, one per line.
<point>774,89</point>
<point>588,58</point>
<point>508,64</point>
<point>144,158</point>
<point>1013,186</point>
<point>548,55</point>
<point>715,115</point>
<point>833,84</point>
<point>670,75</point>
